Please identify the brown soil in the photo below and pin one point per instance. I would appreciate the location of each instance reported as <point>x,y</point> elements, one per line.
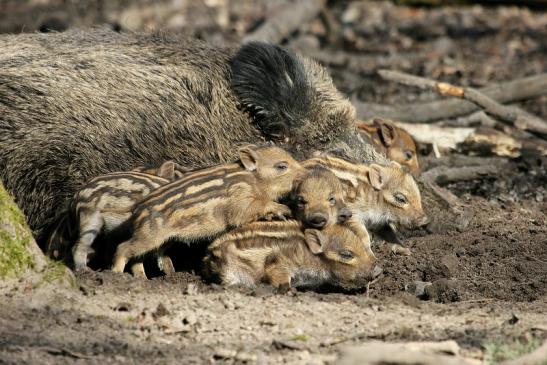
<point>488,272</point>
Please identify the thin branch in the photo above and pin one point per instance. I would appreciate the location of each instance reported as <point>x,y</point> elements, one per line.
<point>492,107</point>
<point>508,92</point>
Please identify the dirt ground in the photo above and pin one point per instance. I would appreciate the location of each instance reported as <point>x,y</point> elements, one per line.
<point>486,282</point>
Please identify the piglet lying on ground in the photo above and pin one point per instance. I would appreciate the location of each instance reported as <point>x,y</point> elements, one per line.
<point>283,255</point>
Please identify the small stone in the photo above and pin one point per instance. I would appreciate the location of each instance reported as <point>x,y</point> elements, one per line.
<point>513,320</point>
<point>352,13</point>
<point>400,250</point>
<point>171,325</point>
<point>450,263</point>
<point>224,353</point>
<point>291,345</point>
<point>417,288</point>
<point>161,311</point>
<point>145,318</point>
<point>228,304</point>
<point>443,291</point>
<point>191,289</point>
<point>190,319</point>
<point>246,357</point>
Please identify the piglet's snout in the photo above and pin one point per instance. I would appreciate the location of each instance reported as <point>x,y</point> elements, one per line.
<point>317,220</point>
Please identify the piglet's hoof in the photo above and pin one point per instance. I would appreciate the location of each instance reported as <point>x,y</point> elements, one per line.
<point>279,213</point>
<point>283,288</point>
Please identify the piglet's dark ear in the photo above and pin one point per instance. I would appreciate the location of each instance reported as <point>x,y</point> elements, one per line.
<point>271,84</point>
<point>386,131</point>
<point>314,240</point>
<point>248,157</point>
<point>167,170</point>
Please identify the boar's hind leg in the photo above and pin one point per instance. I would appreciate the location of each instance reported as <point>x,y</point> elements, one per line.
<point>90,227</point>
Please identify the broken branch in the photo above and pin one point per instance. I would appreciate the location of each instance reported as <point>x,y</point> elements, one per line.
<point>516,90</point>
<point>492,107</point>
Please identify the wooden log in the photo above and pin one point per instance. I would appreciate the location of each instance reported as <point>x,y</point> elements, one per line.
<point>443,175</point>
<point>285,21</point>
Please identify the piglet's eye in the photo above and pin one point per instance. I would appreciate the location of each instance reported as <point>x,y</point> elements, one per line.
<point>400,198</point>
<point>408,155</point>
<point>345,254</point>
<point>300,200</point>
<point>281,166</point>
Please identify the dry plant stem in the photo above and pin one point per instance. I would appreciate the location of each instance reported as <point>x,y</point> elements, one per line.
<point>287,20</point>
<point>492,107</point>
<point>520,89</point>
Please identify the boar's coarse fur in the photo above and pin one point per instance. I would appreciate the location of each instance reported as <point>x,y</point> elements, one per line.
<point>80,104</point>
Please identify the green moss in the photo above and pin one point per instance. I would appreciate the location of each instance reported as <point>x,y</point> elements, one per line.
<point>498,350</point>
<point>56,271</point>
<point>302,337</point>
<point>14,238</point>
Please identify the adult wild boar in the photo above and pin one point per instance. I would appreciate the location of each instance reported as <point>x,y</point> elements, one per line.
<point>80,104</point>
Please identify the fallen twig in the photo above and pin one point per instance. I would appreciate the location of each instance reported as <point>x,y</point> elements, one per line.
<point>283,23</point>
<point>512,91</point>
<point>492,107</point>
<point>65,352</point>
<point>341,339</point>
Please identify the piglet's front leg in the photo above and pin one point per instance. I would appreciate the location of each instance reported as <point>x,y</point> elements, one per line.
<point>246,205</point>
<point>273,210</point>
<point>360,231</point>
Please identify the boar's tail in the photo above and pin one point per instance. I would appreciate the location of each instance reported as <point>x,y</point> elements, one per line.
<point>271,84</point>
<point>62,238</point>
